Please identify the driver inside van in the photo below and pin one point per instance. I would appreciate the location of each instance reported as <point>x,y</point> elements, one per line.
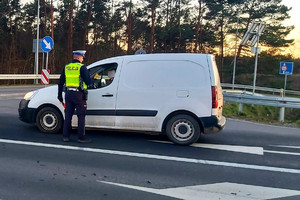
<point>111,74</point>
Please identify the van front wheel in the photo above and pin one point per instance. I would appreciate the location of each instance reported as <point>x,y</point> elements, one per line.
<point>49,120</point>
<point>183,129</point>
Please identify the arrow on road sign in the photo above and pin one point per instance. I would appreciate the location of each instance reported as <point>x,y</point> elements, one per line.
<point>48,44</point>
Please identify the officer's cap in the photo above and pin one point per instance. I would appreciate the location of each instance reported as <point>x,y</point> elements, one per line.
<point>79,52</point>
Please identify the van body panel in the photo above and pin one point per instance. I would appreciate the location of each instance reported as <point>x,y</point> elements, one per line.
<point>165,85</point>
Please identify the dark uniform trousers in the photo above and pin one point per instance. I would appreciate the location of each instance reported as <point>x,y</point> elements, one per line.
<point>74,99</point>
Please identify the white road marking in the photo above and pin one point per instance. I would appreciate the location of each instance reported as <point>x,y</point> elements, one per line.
<point>283,152</point>
<point>159,157</point>
<point>12,95</point>
<point>240,149</point>
<point>224,191</point>
<point>292,147</point>
<point>234,148</point>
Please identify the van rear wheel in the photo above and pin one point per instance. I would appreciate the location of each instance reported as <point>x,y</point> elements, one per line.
<point>183,129</point>
<point>49,120</point>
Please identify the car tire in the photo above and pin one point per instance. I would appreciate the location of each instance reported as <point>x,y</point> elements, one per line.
<point>49,120</point>
<point>183,129</point>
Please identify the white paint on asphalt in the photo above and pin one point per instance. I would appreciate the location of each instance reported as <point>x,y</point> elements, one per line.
<point>233,148</point>
<point>158,157</point>
<point>12,95</point>
<point>291,147</point>
<point>224,191</point>
<point>283,152</point>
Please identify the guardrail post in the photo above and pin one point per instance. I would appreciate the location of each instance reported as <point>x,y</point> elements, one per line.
<point>281,115</point>
<point>240,108</point>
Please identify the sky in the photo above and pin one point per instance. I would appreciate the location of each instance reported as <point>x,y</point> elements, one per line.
<point>294,20</point>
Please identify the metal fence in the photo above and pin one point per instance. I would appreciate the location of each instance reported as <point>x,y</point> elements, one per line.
<point>25,76</point>
<point>282,102</point>
<point>262,89</point>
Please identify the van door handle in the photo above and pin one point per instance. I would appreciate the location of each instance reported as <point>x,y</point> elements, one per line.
<point>107,95</point>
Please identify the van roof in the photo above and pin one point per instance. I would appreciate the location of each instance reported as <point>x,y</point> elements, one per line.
<point>164,55</point>
<point>159,56</point>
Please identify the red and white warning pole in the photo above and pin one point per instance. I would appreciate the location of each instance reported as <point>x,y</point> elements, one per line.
<point>45,77</point>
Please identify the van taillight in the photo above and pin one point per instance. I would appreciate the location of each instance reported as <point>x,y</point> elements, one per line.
<point>214,95</point>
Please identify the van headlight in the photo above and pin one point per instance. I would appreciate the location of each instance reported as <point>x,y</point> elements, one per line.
<point>30,95</point>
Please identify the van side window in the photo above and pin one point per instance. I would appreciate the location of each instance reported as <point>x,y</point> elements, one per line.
<point>103,74</point>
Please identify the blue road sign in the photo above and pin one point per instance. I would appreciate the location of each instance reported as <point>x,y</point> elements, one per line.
<point>47,44</point>
<point>286,68</point>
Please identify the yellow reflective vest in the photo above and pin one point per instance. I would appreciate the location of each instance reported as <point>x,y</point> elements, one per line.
<point>72,73</point>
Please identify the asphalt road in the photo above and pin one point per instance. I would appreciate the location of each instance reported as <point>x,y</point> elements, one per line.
<point>245,161</point>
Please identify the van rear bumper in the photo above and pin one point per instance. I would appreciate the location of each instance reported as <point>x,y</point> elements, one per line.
<point>212,124</point>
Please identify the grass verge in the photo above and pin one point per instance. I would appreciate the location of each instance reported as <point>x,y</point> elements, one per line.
<point>262,114</point>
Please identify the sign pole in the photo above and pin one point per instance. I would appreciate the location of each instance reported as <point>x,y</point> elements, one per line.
<point>47,60</point>
<point>43,61</point>
<point>255,66</point>
<point>285,68</point>
<point>285,78</point>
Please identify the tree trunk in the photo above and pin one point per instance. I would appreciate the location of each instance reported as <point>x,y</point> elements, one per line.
<point>198,27</point>
<point>167,24</point>
<point>179,27</point>
<point>222,43</point>
<point>152,25</point>
<point>129,29</point>
<point>52,68</point>
<point>70,34</point>
<point>86,33</point>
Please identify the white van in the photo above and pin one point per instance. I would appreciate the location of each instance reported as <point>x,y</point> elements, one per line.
<point>176,94</point>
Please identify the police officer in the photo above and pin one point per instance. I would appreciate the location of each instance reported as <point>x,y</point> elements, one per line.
<point>76,77</point>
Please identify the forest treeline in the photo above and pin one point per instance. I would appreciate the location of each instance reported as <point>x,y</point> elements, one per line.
<point>107,28</point>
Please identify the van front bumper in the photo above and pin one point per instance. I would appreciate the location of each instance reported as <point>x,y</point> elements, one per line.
<point>212,124</point>
<point>26,114</point>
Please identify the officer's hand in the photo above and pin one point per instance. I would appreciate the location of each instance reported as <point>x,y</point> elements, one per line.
<point>59,97</point>
<point>96,76</point>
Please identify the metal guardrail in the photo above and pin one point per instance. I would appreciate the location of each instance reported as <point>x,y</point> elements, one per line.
<point>282,102</point>
<point>244,98</point>
<point>264,89</point>
<point>25,76</point>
